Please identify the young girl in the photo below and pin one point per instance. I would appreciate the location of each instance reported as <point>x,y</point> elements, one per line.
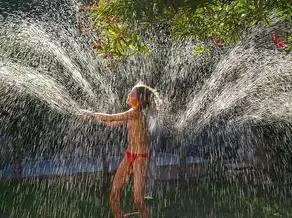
<point>136,158</point>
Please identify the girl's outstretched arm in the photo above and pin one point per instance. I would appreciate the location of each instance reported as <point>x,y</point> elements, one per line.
<point>119,117</point>
<point>125,116</point>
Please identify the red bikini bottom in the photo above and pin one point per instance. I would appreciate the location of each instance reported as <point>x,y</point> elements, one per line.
<point>131,157</point>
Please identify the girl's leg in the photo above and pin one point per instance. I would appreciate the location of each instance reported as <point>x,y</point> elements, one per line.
<point>121,178</point>
<point>139,174</point>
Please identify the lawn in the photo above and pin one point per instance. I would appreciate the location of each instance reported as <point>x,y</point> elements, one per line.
<point>205,199</point>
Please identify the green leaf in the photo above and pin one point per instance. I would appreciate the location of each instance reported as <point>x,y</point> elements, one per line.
<point>112,32</point>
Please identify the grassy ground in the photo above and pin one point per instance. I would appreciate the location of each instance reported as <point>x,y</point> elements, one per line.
<point>203,199</point>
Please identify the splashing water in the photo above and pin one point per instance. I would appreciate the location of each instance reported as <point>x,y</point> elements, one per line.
<point>250,83</point>
<point>239,97</point>
<point>30,45</point>
<point>255,82</point>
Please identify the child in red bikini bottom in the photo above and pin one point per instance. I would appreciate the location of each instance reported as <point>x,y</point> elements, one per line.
<point>136,159</point>
<point>131,157</point>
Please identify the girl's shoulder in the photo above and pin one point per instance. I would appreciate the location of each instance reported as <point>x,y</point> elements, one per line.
<point>135,113</point>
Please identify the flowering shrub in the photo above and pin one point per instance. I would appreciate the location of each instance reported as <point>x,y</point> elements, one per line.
<point>120,24</point>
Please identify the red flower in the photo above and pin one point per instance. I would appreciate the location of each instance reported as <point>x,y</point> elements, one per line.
<point>81,10</point>
<point>96,43</point>
<point>276,38</point>
<point>281,44</point>
<point>216,41</point>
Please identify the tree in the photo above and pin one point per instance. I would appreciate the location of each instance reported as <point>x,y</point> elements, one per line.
<point>121,24</point>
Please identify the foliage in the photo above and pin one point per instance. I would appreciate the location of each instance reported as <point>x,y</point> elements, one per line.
<point>114,36</point>
<point>120,25</point>
<point>227,21</point>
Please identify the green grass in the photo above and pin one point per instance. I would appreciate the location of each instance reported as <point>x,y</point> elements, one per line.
<point>204,199</point>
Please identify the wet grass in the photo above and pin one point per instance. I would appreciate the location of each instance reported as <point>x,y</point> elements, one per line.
<point>204,199</point>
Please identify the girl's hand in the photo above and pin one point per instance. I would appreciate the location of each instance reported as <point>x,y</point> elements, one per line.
<point>85,114</point>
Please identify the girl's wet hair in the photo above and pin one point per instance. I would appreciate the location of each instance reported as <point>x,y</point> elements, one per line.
<point>147,96</point>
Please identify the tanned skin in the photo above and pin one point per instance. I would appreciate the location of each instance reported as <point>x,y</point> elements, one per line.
<point>137,144</point>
